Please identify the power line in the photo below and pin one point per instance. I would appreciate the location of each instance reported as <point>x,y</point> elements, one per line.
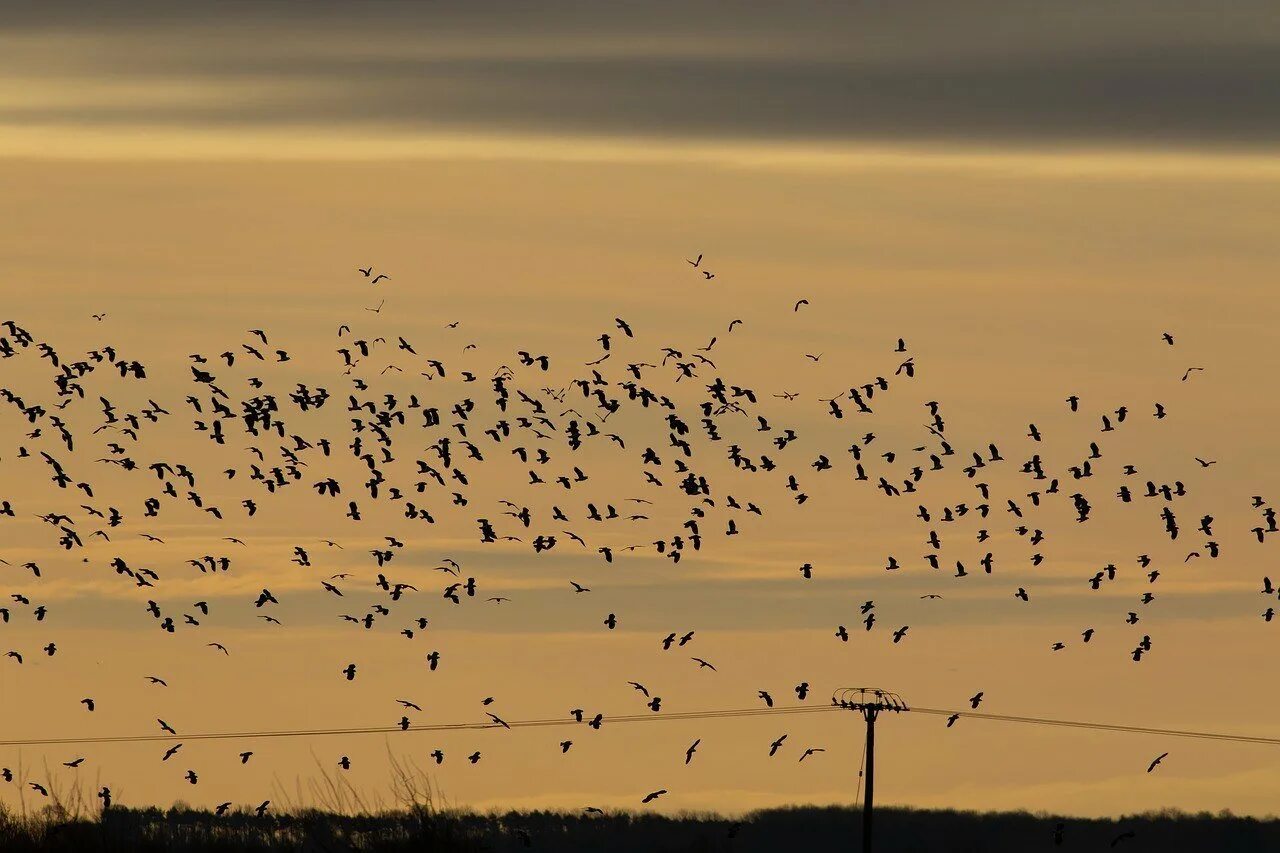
<point>862,765</point>
<point>1110,727</point>
<point>430,727</point>
<point>729,713</point>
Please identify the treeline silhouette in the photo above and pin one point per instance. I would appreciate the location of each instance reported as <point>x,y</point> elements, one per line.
<point>897,831</point>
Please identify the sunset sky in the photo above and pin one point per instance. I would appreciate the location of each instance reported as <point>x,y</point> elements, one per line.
<point>1029,194</point>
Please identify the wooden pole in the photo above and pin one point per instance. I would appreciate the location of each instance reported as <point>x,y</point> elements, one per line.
<point>869,798</point>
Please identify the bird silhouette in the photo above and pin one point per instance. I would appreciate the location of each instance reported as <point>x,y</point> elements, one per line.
<point>536,453</point>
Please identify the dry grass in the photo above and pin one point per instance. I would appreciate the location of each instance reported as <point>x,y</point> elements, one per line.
<point>410,790</point>
<point>326,814</point>
<point>71,797</point>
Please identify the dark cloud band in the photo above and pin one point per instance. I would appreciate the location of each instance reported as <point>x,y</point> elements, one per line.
<point>1002,74</point>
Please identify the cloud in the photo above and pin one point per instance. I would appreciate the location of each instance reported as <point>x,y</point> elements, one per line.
<point>919,72</point>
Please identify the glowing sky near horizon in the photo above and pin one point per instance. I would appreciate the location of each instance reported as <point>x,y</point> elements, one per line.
<point>1029,196</point>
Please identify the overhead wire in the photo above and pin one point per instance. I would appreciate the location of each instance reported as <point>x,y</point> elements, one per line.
<point>426,727</point>
<point>706,714</point>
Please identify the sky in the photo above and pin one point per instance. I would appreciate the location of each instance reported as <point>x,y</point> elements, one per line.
<point>1029,195</point>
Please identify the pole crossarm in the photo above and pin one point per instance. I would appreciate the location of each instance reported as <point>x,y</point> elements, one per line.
<point>868,700</point>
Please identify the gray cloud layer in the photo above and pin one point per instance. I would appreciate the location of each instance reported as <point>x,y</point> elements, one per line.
<point>1169,73</point>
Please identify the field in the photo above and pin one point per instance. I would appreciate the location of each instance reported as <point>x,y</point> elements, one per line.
<point>123,829</point>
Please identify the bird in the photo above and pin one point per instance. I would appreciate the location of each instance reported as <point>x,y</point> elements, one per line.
<point>332,437</point>
<point>688,753</point>
<point>1156,761</point>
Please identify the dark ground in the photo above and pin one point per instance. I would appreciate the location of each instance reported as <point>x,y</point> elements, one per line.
<point>897,831</point>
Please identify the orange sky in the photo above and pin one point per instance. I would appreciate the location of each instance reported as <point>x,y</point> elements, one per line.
<point>190,203</point>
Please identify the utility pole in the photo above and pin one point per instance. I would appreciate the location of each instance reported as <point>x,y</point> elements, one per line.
<point>869,792</point>
<point>870,702</point>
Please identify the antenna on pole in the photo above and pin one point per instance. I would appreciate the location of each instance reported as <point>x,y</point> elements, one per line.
<point>870,702</point>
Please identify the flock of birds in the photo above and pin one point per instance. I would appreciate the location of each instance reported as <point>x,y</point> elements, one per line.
<point>544,422</point>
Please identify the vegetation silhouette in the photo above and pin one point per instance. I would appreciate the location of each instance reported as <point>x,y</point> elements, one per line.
<point>898,830</point>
